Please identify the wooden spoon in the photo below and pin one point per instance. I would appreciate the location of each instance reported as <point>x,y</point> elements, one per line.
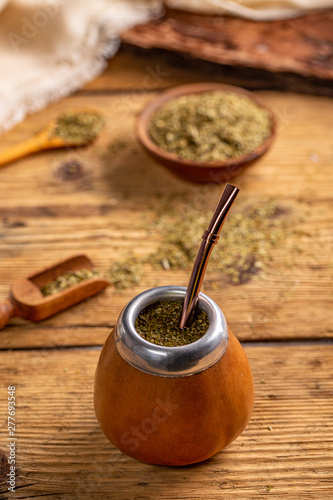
<point>27,301</point>
<point>72,129</point>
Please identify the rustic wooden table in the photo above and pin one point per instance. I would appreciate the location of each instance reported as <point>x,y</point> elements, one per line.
<point>283,315</point>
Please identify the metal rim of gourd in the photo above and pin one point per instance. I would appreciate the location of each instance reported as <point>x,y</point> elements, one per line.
<point>177,361</point>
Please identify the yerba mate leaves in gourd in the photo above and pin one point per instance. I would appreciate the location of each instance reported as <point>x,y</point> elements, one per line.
<point>158,323</point>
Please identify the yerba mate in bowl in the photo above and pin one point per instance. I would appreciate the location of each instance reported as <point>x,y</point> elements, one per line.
<point>172,405</point>
<point>206,132</point>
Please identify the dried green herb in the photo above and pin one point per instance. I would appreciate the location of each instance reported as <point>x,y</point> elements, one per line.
<point>122,275</point>
<point>245,248</point>
<point>67,280</point>
<point>247,245</point>
<point>78,128</point>
<point>125,273</point>
<point>158,323</point>
<point>211,126</point>
<point>117,145</point>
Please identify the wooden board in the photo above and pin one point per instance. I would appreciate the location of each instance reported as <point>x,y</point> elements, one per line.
<point>107,213</point>
<point>294,54</point>
<point>286,450</point>
<point>107,209</point>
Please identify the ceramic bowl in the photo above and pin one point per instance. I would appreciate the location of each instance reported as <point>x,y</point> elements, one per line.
<point>200,172</point>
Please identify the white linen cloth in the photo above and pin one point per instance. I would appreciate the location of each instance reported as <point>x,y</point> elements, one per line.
<point>50,48</point>
<point>257,10</point>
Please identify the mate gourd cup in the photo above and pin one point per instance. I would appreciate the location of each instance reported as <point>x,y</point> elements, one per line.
<point>172,405</point>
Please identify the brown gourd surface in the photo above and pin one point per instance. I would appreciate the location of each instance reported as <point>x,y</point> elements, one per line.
<point>203,412</point>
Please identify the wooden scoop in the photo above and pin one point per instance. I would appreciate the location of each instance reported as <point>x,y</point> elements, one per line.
<point>27,301</point>
<point>72,129</point>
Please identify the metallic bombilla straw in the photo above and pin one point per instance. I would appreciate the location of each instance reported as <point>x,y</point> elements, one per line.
<point>209,239</point>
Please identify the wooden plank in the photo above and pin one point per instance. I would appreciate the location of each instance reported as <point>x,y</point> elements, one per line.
<point>107,212</point>
<point>286,450</point>
<point>135,67</point>
<point>292,54</point>
<point>137,72</point>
